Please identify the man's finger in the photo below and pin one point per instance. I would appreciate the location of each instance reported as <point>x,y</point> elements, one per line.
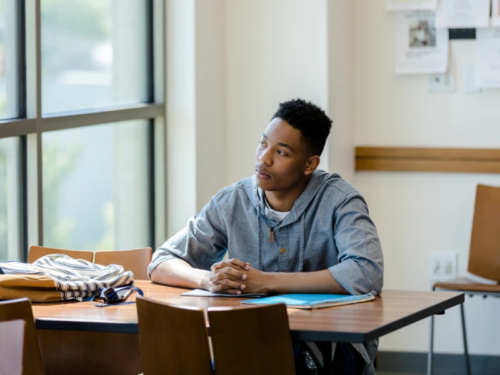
<point>227,264</point>
<point>234,263</point>
<point>216,265</point>
<point>221,276</point>
<point>227,284</point>
<point>228,272</point>
<point>240,263</point>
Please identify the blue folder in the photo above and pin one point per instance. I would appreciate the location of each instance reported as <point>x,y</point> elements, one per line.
<point>312,301</point>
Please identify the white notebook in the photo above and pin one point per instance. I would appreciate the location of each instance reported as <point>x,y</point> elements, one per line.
<point>206,293</point>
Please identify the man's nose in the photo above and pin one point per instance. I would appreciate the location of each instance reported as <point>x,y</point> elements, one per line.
<point>266,157</point>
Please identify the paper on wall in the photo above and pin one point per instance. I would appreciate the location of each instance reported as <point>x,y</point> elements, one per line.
<point>395,5</point>
<point>470,81</point>
<point>463,13</point>
<point>495,13</point>
<point>488,57</point>
<point>421,48</point>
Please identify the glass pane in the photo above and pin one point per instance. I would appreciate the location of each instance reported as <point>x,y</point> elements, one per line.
<point>96,187</point>
<point>10,248</point>
<point>8,60</point>
<point>94,53</point>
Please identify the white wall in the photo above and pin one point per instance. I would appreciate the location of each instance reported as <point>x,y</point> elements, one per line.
<point>196,117</point>
<point>210,31</point>
<point>181,114</point>
<point>341,74</point>
<point>276,50</point>
<point>421,212</point>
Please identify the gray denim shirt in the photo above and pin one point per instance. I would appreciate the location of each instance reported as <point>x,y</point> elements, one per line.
<point>328,228</point>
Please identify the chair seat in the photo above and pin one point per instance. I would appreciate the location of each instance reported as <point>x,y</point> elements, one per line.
<point>467,285</point>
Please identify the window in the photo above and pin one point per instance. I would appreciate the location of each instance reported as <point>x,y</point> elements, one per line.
<point>94,54</point>
<point>81,99</point>
<point>96,187</point>
<point>9,50</point>
<point>10,214</point>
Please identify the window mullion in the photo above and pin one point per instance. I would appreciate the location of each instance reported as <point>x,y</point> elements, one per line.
<point>34,111</point>
<point>160,130</point>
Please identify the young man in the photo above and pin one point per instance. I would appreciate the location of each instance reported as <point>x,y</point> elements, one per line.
<point>290,228</point>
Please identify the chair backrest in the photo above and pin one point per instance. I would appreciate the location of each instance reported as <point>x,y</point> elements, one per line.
<point>37,252</point>
<point>173,339</point>
<point>21,309</point>
<point>255,340</point>
<point>136,260</point>
<point>11,347</point>
<point>484,255</point>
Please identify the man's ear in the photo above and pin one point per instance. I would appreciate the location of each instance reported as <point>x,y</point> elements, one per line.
<point>312,164</point>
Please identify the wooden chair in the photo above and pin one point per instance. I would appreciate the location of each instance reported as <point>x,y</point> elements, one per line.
<point>173,340</point>
<point>251,341</point>
<point>136,260</point>
<point>484,259</point>
<point>37,252</point>
<point>21,309</point>
<point>11,347</point>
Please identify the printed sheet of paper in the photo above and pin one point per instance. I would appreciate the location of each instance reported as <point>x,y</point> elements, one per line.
<point>488,57</point>
<point>398,5</point>
<point>470,80</point>
<point>421,48</point>
<point>463,14</point>
<point>495,13</point>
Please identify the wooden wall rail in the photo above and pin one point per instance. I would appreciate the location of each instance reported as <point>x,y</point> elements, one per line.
<point>427,159</point>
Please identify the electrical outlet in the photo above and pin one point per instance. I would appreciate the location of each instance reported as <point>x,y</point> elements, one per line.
<point>443,265</point>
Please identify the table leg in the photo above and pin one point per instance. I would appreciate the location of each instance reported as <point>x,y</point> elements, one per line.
<point>75,352</point>
<point>466,351</point>
<point>431,347</point>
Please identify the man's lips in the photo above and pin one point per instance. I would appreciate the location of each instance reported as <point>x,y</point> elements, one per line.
<point>262,173</point>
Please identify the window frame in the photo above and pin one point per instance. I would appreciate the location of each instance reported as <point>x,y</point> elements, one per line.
<point>32,124</point>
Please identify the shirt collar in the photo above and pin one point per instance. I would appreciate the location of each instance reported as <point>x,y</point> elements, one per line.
<point>313,186</point>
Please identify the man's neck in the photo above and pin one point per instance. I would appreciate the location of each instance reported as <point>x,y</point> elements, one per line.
<point>283,201</point>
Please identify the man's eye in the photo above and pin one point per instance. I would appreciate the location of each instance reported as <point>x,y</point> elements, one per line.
<point>281,153</point>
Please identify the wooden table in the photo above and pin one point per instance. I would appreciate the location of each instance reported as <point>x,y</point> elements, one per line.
<point>78,337</point>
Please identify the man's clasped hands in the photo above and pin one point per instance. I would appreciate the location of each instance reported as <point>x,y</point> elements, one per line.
<point>234,276</point>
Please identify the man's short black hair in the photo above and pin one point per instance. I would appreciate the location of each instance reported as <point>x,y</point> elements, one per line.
<point>311,120</point>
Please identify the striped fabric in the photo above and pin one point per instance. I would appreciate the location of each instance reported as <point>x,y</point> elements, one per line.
<point>74,278</point>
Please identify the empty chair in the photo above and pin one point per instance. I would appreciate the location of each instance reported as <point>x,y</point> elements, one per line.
<point>136,260</point>
<point>484,258</point>
<point>173,339</point>
<point>37,252</point>
<point>11,347</point>
<point>21,309</point>
<point>251,341</point>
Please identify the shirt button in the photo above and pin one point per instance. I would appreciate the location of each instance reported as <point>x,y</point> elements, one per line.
<point>282,228</point>
<point>282,251</point>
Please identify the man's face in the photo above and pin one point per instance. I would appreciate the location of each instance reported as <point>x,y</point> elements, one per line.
<point>281,157</point>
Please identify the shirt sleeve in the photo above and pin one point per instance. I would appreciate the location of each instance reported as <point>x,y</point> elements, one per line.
<point>360,267</point>
<point>201,243</point>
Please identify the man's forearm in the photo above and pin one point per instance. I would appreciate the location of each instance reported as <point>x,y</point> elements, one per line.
<point>304,282</point>
<point>176,272</point>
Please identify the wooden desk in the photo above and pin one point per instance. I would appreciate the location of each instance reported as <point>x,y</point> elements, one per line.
<point>71,333</point>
